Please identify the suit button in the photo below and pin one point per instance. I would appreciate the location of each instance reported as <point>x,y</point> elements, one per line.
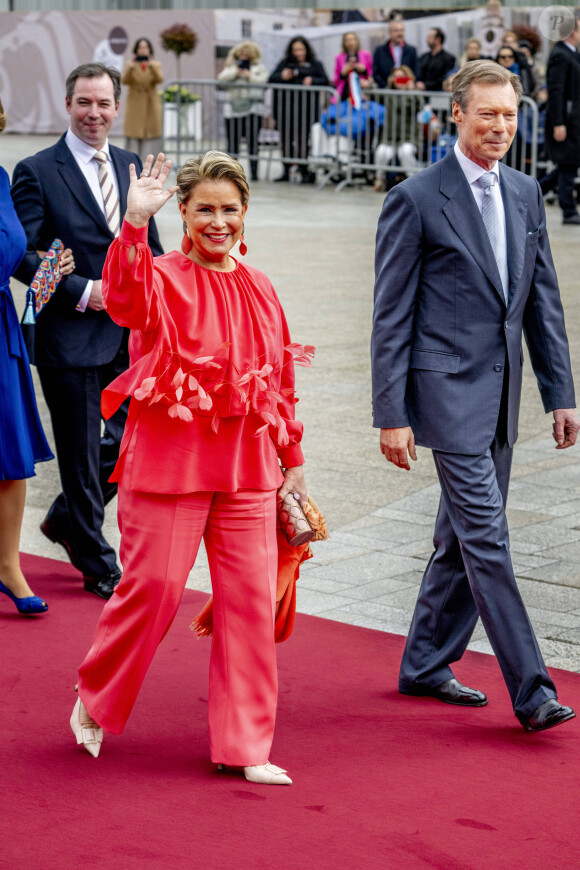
<point>506,325</point>
<point>497,368</point>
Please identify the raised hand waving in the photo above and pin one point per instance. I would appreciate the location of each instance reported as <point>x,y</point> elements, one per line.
<point>147,193</point>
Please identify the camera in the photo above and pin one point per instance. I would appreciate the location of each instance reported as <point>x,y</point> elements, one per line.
<point>244,64</point>
<point>142,58</point>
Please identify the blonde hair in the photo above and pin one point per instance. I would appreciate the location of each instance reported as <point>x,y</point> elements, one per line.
<point>2,117</point>
<point>351,33</point>
<point>407,71</point>
<point>486,71</point>
<point>211,166</point>
<point>249,48</point>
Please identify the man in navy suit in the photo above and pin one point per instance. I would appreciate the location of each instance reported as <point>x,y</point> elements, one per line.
<point>563,122</point>
<point>459,278</point>
<point>61,193</point>
<point>395,52</point>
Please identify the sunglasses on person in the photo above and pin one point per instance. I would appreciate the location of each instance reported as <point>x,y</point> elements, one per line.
<point>506,56</point>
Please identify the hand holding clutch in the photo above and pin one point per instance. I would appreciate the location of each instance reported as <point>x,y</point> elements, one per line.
<point>45,281</point>
<point>40,292</point>
<point>294,482</point>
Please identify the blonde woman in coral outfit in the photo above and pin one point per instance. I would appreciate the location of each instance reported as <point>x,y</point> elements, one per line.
<point>210,428</point>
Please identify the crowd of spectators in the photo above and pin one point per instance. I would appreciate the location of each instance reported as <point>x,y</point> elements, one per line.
<point>304,126</point>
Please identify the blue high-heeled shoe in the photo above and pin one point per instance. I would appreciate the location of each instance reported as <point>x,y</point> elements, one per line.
<point>29,606</point>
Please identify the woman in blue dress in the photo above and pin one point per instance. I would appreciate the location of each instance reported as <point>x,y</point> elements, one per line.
<point>22,441</point>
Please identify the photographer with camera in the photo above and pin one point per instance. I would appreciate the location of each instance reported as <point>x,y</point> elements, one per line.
<point>142,125</point>
<point>244,109</point>
<point>352,58</point>
<point>295,113</point>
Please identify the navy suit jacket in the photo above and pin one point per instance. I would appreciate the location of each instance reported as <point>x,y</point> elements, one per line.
<point>53,200</point>
<point>383,63</point>
<point>443,338</point>
<point>563,80</point>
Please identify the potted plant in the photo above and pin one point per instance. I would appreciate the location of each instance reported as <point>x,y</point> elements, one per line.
<point>182,114</point>
<point>181,103</point>
<point>178,94</point>
<point>180,39</point>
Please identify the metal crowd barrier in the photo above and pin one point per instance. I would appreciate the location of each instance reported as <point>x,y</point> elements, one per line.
<point>274,120</point>
<point>413,131</point>
<point>396,133</point>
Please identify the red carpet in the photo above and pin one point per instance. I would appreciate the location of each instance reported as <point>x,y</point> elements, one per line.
<point>380,780</point>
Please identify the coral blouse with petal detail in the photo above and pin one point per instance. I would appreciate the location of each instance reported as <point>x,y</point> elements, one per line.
<point>181,312</point>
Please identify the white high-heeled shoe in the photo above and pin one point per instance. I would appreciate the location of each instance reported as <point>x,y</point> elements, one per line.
<point>264,774</point>
<point>86,729</point>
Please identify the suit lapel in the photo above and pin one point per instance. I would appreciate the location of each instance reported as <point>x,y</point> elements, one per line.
<point>515,219</point>
<point>464,216</point>
<point>77,184</point>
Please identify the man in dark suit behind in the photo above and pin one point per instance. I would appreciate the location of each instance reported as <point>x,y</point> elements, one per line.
<point>436,63</point>
<point>61,193</point>
<point>563,122</point>
<point>463,267</point>
<point>395,52</point>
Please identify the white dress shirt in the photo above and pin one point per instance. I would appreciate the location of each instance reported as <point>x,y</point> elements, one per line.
<point>84,157</point>
<point>397,53</point>
<point>473,173</point>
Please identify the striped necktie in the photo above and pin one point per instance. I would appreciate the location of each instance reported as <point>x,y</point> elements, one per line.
<point>490,212</point>
<point>110,198</point>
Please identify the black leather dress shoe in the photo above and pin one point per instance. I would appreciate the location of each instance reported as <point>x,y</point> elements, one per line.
<point>50,530</point>
<point>548,715</point>
<point>451,692</point>
<point>572,219</point>
<point>103,586</point>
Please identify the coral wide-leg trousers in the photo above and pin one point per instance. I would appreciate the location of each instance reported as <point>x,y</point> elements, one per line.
<point>160,537</point>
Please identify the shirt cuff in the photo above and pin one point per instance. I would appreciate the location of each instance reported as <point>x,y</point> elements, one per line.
<point>84,300</point>
<point>291,456</point>
<point>131,235</point>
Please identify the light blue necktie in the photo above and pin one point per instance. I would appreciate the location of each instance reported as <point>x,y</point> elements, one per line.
<point>494,226</point>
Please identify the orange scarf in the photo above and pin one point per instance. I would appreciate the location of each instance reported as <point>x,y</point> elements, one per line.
<point>289,561</point>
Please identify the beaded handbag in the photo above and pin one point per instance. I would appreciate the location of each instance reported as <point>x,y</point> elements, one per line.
<point>293,521</point>
<point>44,283</point>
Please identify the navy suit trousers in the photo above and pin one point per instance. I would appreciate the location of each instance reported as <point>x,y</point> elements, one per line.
<point>86,457</point>
<point>470,574</point>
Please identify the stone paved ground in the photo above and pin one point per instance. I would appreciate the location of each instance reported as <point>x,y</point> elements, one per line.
<point>317,247</point>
